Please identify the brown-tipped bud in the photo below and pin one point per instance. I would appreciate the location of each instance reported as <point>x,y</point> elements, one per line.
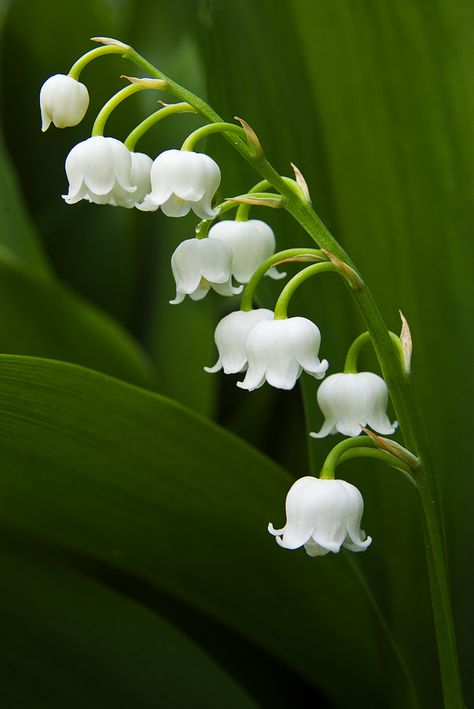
<point>407,342</point>
<point>395,449</point>
<point>353,278</point>
<point>274,202</point>
<point>147,83</point>
<point>109,41</point>
<point>252,139</point>
<point>301,182</point>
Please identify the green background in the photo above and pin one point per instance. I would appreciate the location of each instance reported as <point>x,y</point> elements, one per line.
<point>136,567</point>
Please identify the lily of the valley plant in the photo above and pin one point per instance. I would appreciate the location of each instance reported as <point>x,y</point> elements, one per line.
<point>263,346</point>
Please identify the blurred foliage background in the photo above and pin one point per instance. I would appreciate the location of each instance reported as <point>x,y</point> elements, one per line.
<point>137,569</point>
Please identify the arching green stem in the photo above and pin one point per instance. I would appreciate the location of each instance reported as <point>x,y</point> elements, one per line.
<point>202,229</point>
<point>112,103</point>
<point>250,288</point>
<point>200,133</point>
<point>332,459</point>
<point>350,365</point>
<point>77,67</point>
<point>176,108</point>
<point>398,381</point>
<point>281,307</point>
<point>382,457</point>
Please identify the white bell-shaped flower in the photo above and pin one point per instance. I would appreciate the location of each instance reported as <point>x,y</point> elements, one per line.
<point>231,339</point>
<point>252,242</point>
<point>140,177</point>
<point>63,101</point>
<point>201,264</point>
<point>182,180</point>
<point>98,170</point>
<point>350,401</point>
<point>279,350</point>
<point>322,516</point>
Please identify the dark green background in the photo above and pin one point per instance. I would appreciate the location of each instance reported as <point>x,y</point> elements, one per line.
<point>136,566</point>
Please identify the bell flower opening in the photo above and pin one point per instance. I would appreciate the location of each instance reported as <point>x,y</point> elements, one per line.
<point>252,242</point>
<point>199,265</point>
<point>63,101</point>
<point>352,400</point>
<point>278,351</point>
<point>231,339</point>
<point>180,181</point>
<point>322,515</point>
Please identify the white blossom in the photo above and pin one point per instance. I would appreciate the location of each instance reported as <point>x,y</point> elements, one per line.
<point>99,171</point>
<point>63,101</point>
<point>231,339</point>
<point>350,401</point>
<point>322,515</point>
<point>279,350</point>
<point>182,180</point>
<point>140,177</point>
<point>201,264</point>
<point>252,242</point>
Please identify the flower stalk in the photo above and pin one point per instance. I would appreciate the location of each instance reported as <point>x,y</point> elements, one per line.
<point>394,372</point>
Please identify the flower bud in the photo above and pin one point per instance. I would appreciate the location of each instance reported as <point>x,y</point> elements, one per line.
<point>63,101</point>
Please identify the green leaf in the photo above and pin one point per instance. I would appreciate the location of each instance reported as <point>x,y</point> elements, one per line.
<point>45,319</point>
<point>129,478</point>
<point>68,640</point>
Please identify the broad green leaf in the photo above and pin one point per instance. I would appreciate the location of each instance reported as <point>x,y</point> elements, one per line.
<point>70,641</point>
<point>45,319</point>
<point>131,479</point>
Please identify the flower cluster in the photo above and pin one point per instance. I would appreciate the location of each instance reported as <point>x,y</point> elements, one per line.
<point>264,345</point>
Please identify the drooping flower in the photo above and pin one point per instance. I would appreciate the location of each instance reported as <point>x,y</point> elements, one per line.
<point>350,401</point>
<point>279,350</point>
<point>99,171</point>
<point>63,101</point>
<point>322,515</point>
<point>201,264</point>
<point>252,242</point>
<point>182,180</point>
<point>231,339</point>
<point>140,177</point>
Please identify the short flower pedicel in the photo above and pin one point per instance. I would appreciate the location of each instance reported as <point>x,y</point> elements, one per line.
<point>182,180</point>
<point>352,400</point>
<point>322,515</point>
<point>63,101</point>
